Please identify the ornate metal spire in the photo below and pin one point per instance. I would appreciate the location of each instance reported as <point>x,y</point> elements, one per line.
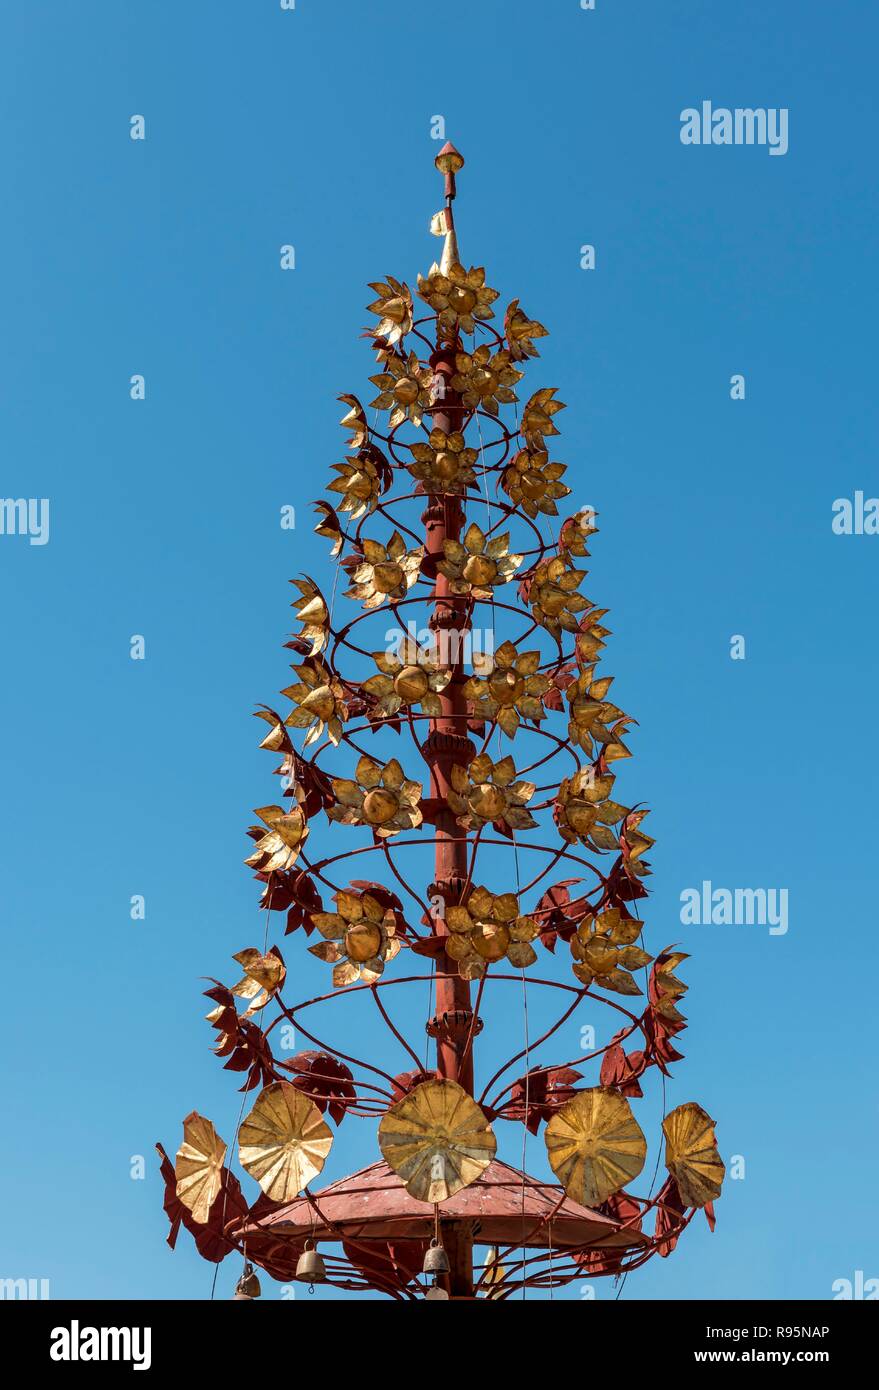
<point>471,712</point>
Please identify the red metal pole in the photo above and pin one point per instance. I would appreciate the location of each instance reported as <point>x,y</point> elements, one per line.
<point>447,743</point>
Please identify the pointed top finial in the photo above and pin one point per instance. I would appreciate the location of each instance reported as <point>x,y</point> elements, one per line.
<point>449,161</point>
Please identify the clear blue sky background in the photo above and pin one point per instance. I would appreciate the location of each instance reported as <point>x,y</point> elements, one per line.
<point>161,257</point>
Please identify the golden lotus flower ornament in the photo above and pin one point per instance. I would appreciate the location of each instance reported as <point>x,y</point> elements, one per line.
<point>595,720</point>
<point>691,1154</point>
<point>199,1166</point>
<point>385,572</point>
<point>382,797</point>
<point>312,611</point>
<point>595,1145</point>
<point>605,952</point>
<point>394,309</point>
<point>355,421</point>
<point>318,702</point>
<point>460,298</point>
<point>410,679</point>
<point>520,332</point>
<point>533,483</point>
<point>575,533</point>
<point>263,976</point>
<point>445,463</point>
<point>489,927</point>
<point>537,418</point>
<point>579,808</point>
<point>359,937</point>
<point>405,388</point>
<point>280,846</point>
<point>359,484</point>
<point>437,1139</point>
<point>511,691</point>
<point>478,565</point>
<point>284,1141</point>
<point>485,380</point>
<point>487,792</point>
<point>553,595</point>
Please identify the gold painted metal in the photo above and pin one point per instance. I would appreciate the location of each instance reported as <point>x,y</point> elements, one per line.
<point>691,1154</point>
<point>284,1141</point>
<point>199,1166</point>
<point>359,937</point>
<point>595,1145</point>
<point>437,1139</point>
<point>381,797</point>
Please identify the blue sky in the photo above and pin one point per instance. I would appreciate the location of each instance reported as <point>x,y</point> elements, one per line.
<point>160,257</point>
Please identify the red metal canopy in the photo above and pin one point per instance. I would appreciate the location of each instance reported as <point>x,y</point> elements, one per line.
<point>505,1206</point>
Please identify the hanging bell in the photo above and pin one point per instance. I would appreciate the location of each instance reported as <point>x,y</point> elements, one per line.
<point>436,1261</point>
<point>310,1267</point>
<point>248,1285</point>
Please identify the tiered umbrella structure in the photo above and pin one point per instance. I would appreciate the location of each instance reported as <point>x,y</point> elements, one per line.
<point>479,727</point>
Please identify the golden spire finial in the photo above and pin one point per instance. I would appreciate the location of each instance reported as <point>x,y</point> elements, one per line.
<point>449,161</point>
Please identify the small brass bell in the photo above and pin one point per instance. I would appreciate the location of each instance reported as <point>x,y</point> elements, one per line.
<point>248,1285</point>
<point>310,1267</point>
<point>436,1261</point>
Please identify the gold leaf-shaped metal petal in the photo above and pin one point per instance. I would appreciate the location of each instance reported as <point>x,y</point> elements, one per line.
<point>331,925</point>
<point>329,951</point>
<point>367,772</point>
<point>345,973</point>
<point>619,981</point>
<point>437,1139</point>
<point>347,792</point>
<point>350,906</point>
<point>199,1166</point>
<point>504,772</point>
<point>691,1154</point>
<point>505,907</point>
<point>393,775</point>
<point>266,971</point>
<point>458,919</point>
<point>520,954</point>
<point>283,1142</point>
<point>595,1145</point>
<point>480,902</point>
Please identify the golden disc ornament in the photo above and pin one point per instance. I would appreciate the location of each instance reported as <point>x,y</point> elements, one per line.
<point>199,1166</point>
<point>283,1142</point>
<point>691,1154</point>
<point>437,1139</point>
<point>595,1145</point>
